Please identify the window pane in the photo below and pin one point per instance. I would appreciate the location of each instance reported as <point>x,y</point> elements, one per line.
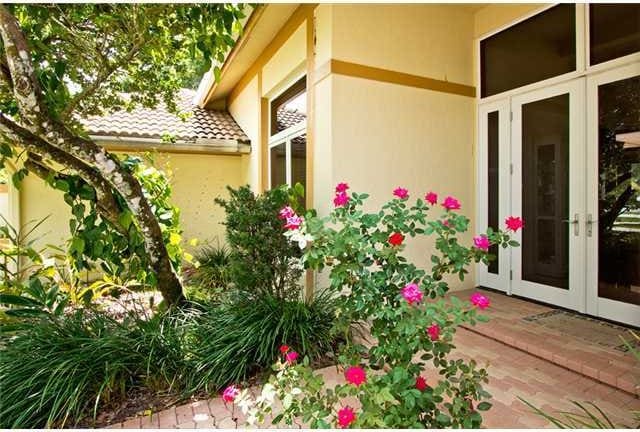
<point>290,108</point>
<point>278,165</point>
<point>618,194</point>
<point>299,160</point>
<point>545,191</point>
<point>536,49</point>
<point>493,143</point>
<point>614,31</point>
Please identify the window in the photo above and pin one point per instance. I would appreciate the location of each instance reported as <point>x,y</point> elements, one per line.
<point>493,173</point>
<point>614,31</point>
<point>287,136</point>
<point>541,47</point>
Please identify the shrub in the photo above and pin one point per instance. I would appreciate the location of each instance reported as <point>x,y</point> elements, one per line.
<point>55,372</point>
<point>260,257</point>
<point>233,341</point>
<point>58,371</point>
<point>410,323</point>
<point>210,278</point>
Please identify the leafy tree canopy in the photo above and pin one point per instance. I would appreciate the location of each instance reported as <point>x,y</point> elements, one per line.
<point>59,63</point>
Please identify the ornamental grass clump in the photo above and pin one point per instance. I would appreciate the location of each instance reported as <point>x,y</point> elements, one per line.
<point>411,323</point>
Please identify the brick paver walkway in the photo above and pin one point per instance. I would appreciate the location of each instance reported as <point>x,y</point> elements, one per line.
<point>572,350</point>
<point>512,373</point>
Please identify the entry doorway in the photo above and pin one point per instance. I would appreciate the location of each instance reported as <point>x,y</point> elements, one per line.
<point>566,158</point>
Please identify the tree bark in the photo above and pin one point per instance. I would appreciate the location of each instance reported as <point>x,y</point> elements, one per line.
<point>38,132</point>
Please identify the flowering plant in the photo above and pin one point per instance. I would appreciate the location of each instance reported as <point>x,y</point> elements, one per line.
<point>411,323</point>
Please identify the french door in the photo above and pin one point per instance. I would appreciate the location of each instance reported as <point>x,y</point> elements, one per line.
<point>547,190</point>
<point>613,194</point>
<point>566,158</point>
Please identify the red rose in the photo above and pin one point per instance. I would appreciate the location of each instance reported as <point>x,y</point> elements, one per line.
<point>421,383</point>
<point>396,239</point>
<point>284,349</point>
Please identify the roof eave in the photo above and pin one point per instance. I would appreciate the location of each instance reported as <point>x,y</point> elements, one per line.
<point>208,84</point>
<point>197,146</point>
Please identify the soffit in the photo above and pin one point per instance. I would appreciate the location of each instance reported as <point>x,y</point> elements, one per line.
<point>271,19</point>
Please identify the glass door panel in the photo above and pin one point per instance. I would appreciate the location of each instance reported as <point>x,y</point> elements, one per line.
<point>494,187</point>
<point>614,210</point>
<point>548,192</point>
<point>545,191</point>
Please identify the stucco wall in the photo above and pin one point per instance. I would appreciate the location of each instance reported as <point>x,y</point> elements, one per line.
<point>422,39</point>
<point>494,16</point>
<point>196,180</point>
<point>378,135</point>
<point>245,110</point>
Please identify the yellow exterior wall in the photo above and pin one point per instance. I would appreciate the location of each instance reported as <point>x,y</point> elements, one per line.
<point>422,39</point>
<point>196,180</point>
<point>245,110</point>
<point>495,16</point>
<point>281,70</point>
<point>377,136</point>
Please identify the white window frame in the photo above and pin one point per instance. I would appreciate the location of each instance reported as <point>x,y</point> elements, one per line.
<point>583,68</point>
<point>285,137</point>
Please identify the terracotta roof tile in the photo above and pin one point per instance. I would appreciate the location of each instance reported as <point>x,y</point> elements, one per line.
<point>154,123</point>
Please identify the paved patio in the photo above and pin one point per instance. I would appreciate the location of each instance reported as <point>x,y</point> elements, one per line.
<point>513,368</point>
<point>514,322</point>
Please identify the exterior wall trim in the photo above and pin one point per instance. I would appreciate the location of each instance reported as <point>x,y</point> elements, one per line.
<point>134,144</point>
<point>356,70</point>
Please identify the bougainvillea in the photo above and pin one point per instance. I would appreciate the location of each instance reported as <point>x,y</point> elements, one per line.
<point>411,322</point>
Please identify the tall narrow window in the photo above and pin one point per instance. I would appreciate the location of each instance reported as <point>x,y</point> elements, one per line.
<point>536,49</point>
<point>493,144</point>
<point>614,31</point>
<point>288,136</point>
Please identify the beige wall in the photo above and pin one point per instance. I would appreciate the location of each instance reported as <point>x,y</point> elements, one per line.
<point>245,110</point>
<point>422,39</point>
<point>377,136</point>
<point>196,180</point>
<point>495,16</point>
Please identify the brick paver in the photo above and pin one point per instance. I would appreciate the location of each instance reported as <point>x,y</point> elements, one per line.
<point>512,373</point>
<point>506,324</point>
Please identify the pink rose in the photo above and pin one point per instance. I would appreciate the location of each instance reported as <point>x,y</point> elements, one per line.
<point>514,223</point>
<point>431,198</point>
<point>411,293</point>
<point>434,332</point>
<point>230,393</point>
<point>293,222</point>
<point>291,357</point>
<point>355,375</point>
<point>479,300</point>
<point>401,193</point>
<point>342,187</point>
<point>481,242</point>
<point>450,203</point>
<point>346,416</point>
<point>286,213</point>
<point>341,199</point>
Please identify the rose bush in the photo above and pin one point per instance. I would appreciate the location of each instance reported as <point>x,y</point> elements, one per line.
<point>411,324</point>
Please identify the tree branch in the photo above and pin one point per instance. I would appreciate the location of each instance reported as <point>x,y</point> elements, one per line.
<point>103,75</point>
<point>26,88</point>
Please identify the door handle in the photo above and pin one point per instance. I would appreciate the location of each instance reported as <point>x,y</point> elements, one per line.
<point>589,224</point>
<point>575,222</point>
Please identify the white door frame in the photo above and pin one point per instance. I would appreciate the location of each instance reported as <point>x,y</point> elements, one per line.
<point>500,281</point>
<point>574,297</point>
<point>598,306</point>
